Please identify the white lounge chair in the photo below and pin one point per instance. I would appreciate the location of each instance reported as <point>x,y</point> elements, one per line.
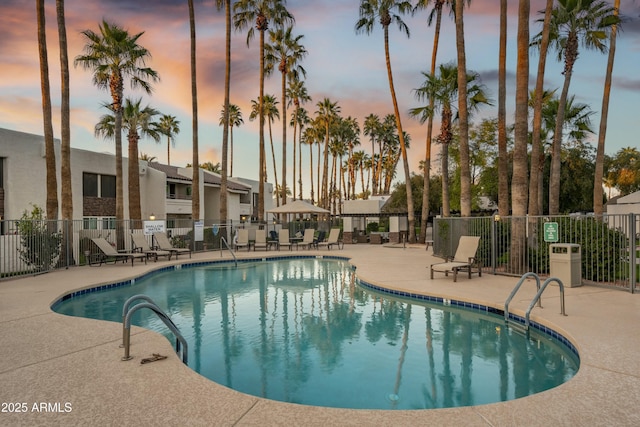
<point>243,240</point>
<point>308,238</point>
<point>109,251</point>
<point>464,259</point>
<point>261,240</point>
<point>162,241</point>
<point>333,239</point>
<point>283,239</point>
<point>141,245</point>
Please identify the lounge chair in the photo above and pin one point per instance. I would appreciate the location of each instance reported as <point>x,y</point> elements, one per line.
<point>321,235</point>
<point>333,239</point>
<point>308,238</point>
<point>464,259</point>
<point>283,239</point>
<point>162,241</point>
<point>141,245</point>
<point>109,251</point>
<point>242,240</point>
<point>261,240</point>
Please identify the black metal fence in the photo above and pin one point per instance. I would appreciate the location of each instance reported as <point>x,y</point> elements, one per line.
<point>610,246</point>
<point>30,247</point>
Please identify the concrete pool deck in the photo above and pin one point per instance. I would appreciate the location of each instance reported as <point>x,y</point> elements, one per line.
<point>73,366</point>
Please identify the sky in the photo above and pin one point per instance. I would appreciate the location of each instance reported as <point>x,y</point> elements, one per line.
<point>346,67</point>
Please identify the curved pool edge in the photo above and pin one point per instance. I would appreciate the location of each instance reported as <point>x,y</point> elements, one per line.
<point>35,366</point>
<point>542,327</point>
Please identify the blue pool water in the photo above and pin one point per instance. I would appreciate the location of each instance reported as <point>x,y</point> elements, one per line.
<point>304,331</point>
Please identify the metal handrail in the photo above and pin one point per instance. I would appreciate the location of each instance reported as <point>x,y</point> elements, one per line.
<point>235,260</point>
<point>537,297</point>
<point>515,290</point>
<point>181,343</point>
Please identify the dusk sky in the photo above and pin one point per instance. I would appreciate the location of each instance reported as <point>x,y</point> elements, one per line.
<point>344,66</point>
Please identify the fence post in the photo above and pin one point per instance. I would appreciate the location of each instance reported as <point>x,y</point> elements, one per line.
<point>494,219</point>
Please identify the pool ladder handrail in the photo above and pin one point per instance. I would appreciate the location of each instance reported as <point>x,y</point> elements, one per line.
<point>127,313</point>
<point>536,299</point>
<point>223,240</point>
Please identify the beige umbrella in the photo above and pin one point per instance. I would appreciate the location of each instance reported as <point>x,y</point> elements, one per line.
<point>298,207</point>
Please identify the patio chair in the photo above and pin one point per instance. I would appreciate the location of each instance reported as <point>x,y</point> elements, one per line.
<point>283,239</point>
<point>243,240</point>
<point>464,259</point>
<point>141,245</point>
<point>333,239</point>
<point>308,238</point>
<point>321,235</point>
<point>163,243</point>
<point>261,240</point>
<point>109,251</point>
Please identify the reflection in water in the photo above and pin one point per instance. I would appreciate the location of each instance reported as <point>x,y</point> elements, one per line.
<point>303,331</point>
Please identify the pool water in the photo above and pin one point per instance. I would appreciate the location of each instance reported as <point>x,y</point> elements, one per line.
<point>304,331</point>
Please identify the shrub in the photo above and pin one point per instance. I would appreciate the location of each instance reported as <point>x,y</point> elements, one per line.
<point>40,242</point>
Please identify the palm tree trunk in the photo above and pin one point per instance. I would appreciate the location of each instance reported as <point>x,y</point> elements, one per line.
<point>195,161</point>
<point>463,115</point>
<point>503,162</point>
<point>300,161</point>
<point>318,177</point>
<point>535,179</point>
<point>325,170</point>
<point>224,213</point>
<point>134,180</point>
<point>519,183</point>
<point>427,155</point>
<point>263,162</point>
<point>230,150</point>
<point>275,170</point>
<point>295,134</point>
<point>311,171</point>
<point>446,210</point>
<point>599,172</point>
<point>284,139</point>
<point>403,148</point>
<point>50,155</point>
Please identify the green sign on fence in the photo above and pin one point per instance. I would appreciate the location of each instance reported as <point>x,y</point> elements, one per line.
<point>550,231</point>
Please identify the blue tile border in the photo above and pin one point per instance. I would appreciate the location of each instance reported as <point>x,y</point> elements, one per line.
<point>420,297</point>
<point>193,264</point>
<point>545,330</point>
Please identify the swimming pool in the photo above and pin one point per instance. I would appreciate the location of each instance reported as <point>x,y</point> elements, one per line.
<point>304,331</point>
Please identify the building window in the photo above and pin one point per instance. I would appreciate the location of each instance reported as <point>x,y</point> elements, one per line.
<point>245,198</point>
<point>108,223</point>
<point>89,184</point>
<point>90,223</point>
<point>1,172</point>
<point>188,190</point>
<point>108,186</point>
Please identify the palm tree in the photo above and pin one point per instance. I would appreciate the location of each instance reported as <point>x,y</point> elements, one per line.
<point>351,135</point>
<point>327,114</point>
<point>443,88</point>
<point>115,56</point>
<point>384,11</point>
<point>270,110</point>
<point>310,137</point>
<point>437,11</point>
<point>235,119</point>
<point>147,158</point>
<point>226,111</point>
<point>50,155</point>
<point>138,122</point>
<point>65,128</point>
<point>285,50</point>
<point>371,128</point>
<point>598,178</point>
<point>535,207</point>
<point>463,114</point>
<point>503,162</point>
<point>572,22</point>
<point>195,180</point>
<point>297,95</point>
<point>519,179</point>
<point>260,13</point>
<point>169,126</point>
<point>208,166</point>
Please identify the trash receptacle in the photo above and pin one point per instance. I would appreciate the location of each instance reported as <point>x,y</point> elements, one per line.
<point>565,263</point>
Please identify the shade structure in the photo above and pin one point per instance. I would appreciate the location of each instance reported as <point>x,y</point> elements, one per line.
<point>298,206</point>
